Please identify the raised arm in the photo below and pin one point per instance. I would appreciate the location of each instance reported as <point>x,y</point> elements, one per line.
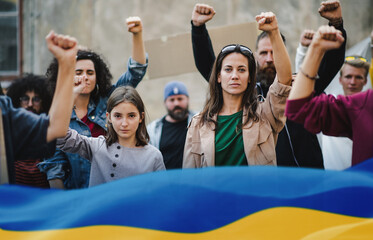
<point>74,142</point>
<point>333,59</point>
<point>326,38</point>
<point>304,42</point>
<point>137,65</point>
<point>268,22</point>
<point>134,26</point>
<point>203,51</point>
<point>64,48</point>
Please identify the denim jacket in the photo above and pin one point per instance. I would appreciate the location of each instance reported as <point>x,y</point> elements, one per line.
<point>72,168</point>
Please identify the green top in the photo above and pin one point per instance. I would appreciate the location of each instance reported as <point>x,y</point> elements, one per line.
<point>229,150</point>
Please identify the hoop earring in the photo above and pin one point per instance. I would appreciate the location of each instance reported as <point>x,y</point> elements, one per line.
<point>97,89</point>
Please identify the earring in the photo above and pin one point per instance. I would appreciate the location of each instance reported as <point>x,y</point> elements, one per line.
<point>96,89</point>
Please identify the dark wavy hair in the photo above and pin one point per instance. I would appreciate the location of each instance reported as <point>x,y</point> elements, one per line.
<point>103,75</point>
<point>214,101</point>
<point>30,82</point>
<point>130,95</point>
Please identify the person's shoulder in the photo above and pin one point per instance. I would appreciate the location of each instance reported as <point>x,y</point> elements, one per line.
<point>195,118</point>
<point>149,147</point>
<point>5,102</point>
<point>155,122</point>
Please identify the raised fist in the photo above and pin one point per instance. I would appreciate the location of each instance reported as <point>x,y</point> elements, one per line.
<point>201,14</point>
<point>306,37</point>
<point>327,38</point>
<point>331,10</point>
<point>267,21</point>
<point>80,84</point>
<point>63,47</point>
<point>134,24</point>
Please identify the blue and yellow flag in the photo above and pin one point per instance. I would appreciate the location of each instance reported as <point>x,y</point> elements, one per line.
<point>212,203</point>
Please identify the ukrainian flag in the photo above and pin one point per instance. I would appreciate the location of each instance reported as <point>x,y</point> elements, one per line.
<point>213,203</point>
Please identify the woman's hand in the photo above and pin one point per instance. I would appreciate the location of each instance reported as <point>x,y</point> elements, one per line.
<point>134,25</point>
<point>327,38</point>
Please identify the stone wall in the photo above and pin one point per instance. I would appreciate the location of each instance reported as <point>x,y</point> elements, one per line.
<point>99,24</point>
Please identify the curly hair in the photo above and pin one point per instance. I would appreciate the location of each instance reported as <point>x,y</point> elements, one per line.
<point>30,83</point>
<point>103,75</point>
<point>215,101</point>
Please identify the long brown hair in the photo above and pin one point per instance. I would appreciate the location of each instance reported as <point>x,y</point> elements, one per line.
<point>130,95</point>
<point>214,101</point>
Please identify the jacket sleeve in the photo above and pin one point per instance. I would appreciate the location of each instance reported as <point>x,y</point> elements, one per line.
<point>322,113</point>
<point>73,142</point>
<point>29,134</point>
<point>203,51</point>
<point>155,130</point>
<point>274,105</point>
<point>134,74</point>
<point>55,167</point>
<point>299,56</point>
<point>188,157</point>
<point>330,65</point>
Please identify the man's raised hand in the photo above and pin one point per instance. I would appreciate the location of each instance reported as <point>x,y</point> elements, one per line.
<point>267,21</point>
<point>201,14</point>
<point>63,47</point>
<point>306,37</point>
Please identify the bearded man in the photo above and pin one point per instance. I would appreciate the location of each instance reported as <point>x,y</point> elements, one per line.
<point>169,132</point>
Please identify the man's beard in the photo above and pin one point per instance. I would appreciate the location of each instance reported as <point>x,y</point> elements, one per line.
<point>266,75</point>
<point>31,109</point>
<point>178,115</point>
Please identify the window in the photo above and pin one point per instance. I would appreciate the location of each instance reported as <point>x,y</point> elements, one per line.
<point>9,39</point>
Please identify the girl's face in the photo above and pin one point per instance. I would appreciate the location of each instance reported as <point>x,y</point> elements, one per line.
<point>86,69</point>
<point>234,74</point>
<point>125,118</point>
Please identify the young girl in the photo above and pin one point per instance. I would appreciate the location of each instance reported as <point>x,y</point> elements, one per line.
<point>125,150</point>
<point>70,171</point>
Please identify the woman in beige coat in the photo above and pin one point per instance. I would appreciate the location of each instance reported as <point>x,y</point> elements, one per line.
<point>234,128</point>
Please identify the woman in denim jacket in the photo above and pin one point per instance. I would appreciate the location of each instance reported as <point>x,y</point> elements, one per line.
<point>70,171</point>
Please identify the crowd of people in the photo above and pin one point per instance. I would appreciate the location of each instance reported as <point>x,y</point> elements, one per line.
<point>73,129</point>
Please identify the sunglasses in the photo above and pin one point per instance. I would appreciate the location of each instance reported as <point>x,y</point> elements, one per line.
<point>231,47</point>
<point>26,99</point>
<point>351,58</point>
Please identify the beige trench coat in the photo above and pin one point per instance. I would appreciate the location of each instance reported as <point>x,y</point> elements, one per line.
<point>259,138</point>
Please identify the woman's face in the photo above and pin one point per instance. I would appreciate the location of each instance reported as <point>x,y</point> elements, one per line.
<point>86,69</point>
<point>234,74</point>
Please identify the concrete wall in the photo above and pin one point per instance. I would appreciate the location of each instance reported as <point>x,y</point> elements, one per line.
<point>99,24</point>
